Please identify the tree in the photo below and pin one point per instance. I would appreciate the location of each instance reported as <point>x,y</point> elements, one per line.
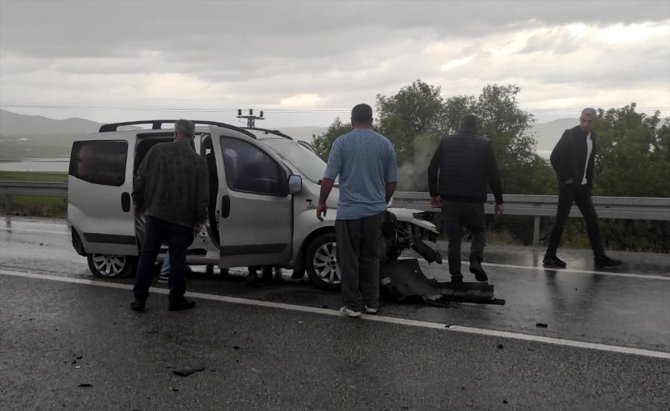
<point>633,156</point>
<point>416,110</point>
<point>323,142</point>
<point>522,170</point>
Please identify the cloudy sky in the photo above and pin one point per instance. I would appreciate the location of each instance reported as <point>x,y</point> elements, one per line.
<point>306,62</point>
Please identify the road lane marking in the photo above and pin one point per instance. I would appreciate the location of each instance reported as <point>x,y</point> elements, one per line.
<point>28,230</point>
<point>377,318</point>
<point>567,270</point>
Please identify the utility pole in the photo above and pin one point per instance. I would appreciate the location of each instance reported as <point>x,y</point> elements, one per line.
<point>251,119</point>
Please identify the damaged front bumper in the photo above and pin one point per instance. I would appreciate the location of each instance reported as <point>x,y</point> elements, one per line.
<point>404,281</point>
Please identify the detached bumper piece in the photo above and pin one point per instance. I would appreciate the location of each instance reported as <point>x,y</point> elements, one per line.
<point>404,281</point>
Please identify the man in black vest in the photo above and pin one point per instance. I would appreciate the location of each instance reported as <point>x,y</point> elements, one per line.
<point>573,159</point>
<point>466,165</point>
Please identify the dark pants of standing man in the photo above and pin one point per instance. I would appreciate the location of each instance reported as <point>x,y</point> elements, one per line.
<point>459,215</point>
<point>581,195</point>
<point>178,239</point>
<point>358,243</point>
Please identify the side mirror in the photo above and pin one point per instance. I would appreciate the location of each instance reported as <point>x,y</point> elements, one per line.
<point>294,184</point>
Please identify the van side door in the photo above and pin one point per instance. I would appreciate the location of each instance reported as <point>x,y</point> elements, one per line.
<point>100,183</point>
<point>254,209</point>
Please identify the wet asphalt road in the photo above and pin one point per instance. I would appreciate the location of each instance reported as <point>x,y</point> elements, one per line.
<point>58,337</point>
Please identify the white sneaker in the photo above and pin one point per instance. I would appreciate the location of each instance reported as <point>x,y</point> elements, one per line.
<point>349,313</point>
<point>370,310</point>
<point>163,277</point>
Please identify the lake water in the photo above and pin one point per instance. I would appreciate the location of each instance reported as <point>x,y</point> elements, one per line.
<point>38,164</point>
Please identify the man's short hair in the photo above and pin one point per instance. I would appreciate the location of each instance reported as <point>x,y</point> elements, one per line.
<point>185,128</point>
<point>361,113</point>
<point>468,122</point>
<point>589,112</point>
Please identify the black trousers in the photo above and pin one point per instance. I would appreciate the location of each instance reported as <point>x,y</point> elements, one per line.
<point>178,239</point>
<point>459,215</point>
<point>580,195</point>
<point>358,243</point>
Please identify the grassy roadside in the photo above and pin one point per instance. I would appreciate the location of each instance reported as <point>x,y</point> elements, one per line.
<point>41,206</point>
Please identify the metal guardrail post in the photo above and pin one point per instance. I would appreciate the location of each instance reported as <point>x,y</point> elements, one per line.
<point>8,210</point>
<point>536,231</point>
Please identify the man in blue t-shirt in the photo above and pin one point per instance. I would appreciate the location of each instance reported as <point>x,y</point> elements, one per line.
<point>366,165</point>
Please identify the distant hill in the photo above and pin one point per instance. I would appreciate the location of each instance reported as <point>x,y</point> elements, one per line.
<point>13,124</point>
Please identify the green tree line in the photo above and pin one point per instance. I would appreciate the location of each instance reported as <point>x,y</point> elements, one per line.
<point>633,158</point>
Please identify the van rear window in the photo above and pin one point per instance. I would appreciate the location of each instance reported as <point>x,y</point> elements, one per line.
<point>99,162</point>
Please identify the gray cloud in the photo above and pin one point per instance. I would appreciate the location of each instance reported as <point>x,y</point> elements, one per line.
<point>260,53</point>
<point>116,28</point>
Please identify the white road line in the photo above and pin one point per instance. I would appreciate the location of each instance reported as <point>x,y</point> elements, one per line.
<point>566,270</point>
<point>377,318</point>
<point>28,230</point>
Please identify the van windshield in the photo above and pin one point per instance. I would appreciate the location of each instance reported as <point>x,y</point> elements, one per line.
<point>304,160</point>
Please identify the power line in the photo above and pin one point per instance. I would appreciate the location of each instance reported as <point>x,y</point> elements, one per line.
<point>271,110</point>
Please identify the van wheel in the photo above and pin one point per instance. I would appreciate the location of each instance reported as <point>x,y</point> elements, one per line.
<point>111,266</point>
<point>321,262</point>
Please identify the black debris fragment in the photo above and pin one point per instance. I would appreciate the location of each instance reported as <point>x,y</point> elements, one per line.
<point>541,325</point>
<point>188,371</point>
<point>85,385</point>
<point>236,347</point>
<point>500,346</point>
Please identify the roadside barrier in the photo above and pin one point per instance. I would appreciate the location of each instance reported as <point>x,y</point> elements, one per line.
<point>627,208</point>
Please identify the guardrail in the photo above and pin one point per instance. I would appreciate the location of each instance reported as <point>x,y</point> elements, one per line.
<point>627,208</point>
<point>10,188</point>
<point>15,188</point>
<point>630,208</point>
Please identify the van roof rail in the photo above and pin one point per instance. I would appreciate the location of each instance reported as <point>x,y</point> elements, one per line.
<point>157,125</point>
<point>268,131</point>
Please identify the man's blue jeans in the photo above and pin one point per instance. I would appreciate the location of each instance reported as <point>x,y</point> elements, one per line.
<point>178,238</point>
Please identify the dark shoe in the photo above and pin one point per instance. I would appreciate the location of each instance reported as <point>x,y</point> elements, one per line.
<point>478,271</point>
<point>163,278</point>
<point>457,278</point>
<point>137,305</point>
<point>550,261</point>
<point>605,262</point>
<point>184,304</point>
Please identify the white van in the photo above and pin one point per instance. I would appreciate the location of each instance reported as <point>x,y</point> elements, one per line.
<point>264,187</point>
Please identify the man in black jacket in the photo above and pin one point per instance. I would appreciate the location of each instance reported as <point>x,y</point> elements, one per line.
<point>172,189</point>
<point>466,165</point>
<point>573,159</point>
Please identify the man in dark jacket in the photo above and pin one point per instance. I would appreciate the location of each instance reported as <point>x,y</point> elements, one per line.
<point>572,160</point>
<point>172,188</point>
<point>466,165</point>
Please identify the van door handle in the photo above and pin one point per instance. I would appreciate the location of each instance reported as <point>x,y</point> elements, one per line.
<point>225,206</point>
<point>125,202</point>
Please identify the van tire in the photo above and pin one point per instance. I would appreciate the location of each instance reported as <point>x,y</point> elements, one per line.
<point>321,262</point>
<point>111,266</point>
